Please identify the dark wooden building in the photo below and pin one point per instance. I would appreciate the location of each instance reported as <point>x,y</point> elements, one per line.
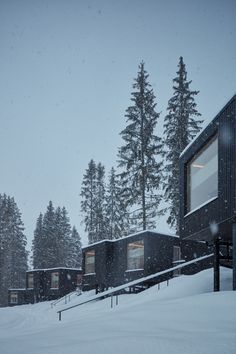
<point>112,263</point>
<point>46,284</point>
<point>208,189</point>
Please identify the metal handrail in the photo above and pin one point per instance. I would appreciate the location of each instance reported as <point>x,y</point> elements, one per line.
<point>63,298</point>
<point>134,282</point>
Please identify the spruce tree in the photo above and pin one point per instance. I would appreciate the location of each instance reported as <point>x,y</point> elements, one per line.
<point>37,244</point>
<point>181,124</point>
<point>49,256</point>
<point>75,250</point>
<point>138,158</point>
<point>88,194</point>
<point>13,254</point>
<point>64,242</point>
<point>51,246</point>
<point>101,230</point>
<point>116,212</point>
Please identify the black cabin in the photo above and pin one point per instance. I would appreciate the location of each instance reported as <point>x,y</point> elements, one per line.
<point>208,188</point>
<point>46,284</point>
<point>110,263</point>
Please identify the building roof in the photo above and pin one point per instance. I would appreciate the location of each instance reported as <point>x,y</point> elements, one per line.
<point>132,235</point>
<point>57,268</point>
<point>208,123</point>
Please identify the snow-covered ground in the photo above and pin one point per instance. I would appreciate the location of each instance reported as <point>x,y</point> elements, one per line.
<point>185,317</point>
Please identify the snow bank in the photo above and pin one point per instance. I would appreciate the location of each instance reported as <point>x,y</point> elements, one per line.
<point>185,317</point>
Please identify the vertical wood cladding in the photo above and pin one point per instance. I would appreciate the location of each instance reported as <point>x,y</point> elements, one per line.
<point>111,258</point>
<point>222,210</point>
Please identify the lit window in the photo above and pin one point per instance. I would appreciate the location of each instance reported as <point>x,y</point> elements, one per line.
<point>135,255</point>
<point>202,176</point>
<point>14,298</point>
<point>90,262</point>
<point>55,280</point>
<point>30,280</point>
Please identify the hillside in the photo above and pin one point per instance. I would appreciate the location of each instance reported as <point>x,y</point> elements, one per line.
<point>185,317</point>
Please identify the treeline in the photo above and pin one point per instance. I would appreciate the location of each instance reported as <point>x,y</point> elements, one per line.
<point>13,255</point>
<point>55,243</point>
<point>147,170</point>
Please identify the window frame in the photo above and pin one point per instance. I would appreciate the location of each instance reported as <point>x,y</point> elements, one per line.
<point>135,263</point>
<point>89,268</point>
<point>30,280</point>
<point>14,295</point>
<point>53,281</point>
<point>204,147</point>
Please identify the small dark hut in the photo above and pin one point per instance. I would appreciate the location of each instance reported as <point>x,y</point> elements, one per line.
<point>112,263</point>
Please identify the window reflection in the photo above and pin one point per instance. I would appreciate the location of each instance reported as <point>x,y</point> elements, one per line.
<point>90,262</point>
<point>135,255</point>
<point>202,176</point>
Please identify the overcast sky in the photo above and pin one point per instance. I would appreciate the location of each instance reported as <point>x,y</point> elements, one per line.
<point>66,75</point>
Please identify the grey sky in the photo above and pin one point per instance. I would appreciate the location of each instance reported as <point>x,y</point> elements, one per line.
<point>67,69</point>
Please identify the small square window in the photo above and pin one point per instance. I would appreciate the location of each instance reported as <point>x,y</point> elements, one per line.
<point>14,297</point>
<point>55,280</point>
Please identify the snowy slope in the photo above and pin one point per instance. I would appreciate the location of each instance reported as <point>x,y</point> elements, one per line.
<point>185,317</point>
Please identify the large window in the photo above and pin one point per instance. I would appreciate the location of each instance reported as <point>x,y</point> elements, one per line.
<point>90,262</point>
<point>202,176</point>
<point>55,280</point>
<point>135,255</point>
<point>30,280</point>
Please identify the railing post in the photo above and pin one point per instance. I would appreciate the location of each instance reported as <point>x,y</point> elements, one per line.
<point>116,299</point>
<point>159,286</point>
<point>59,315</point>
<point>167,282</point>
<point>111,301</point>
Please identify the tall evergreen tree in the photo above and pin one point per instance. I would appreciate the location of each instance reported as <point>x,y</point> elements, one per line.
<point>116,212</point>
<point>141,175</point>
<point>13,254</point>
<point>53,243</point>
<point>101,231</point>
<point>180,126</point>
<point>88,194</point>
<point>37,244</point>
<point>75,254</point>
<point>64,242</point>
<point>49,258</point>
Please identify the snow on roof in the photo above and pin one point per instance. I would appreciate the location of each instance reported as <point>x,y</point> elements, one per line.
<point>207,123</point>
<point>57,268</point>
<point>17,289</point>
<point>158,233</point>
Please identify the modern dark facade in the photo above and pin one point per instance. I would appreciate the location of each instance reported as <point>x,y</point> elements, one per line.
<point>112,263</point>
<point>208,188</point>
<point>46,284</point>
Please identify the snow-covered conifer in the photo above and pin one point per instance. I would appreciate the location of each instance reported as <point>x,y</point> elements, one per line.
<point>180,126</point>
<point>13,254</point>
<point>100,217</point>
<point>116,212</point>
<point>139,157</point>
<point>75,249</point>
